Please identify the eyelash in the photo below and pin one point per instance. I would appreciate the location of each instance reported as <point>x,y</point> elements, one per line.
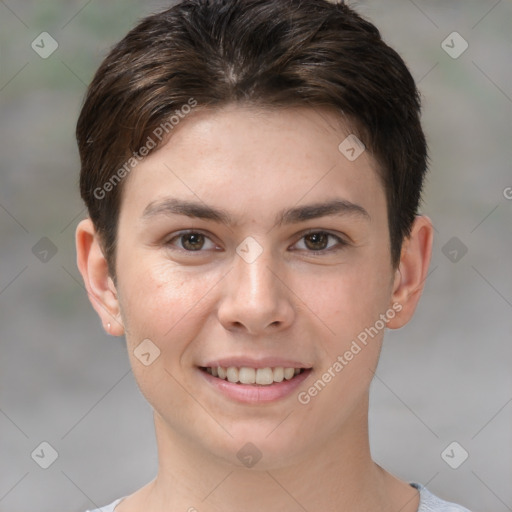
<point>340,241</point>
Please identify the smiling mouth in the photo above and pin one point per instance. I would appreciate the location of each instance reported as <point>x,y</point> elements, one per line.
<point>256,376</point>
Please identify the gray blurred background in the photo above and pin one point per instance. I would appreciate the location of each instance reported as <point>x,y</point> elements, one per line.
<point>444,378</point>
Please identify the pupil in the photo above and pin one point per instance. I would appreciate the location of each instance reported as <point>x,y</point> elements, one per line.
<point>317,238</point>
<point>196,241</point>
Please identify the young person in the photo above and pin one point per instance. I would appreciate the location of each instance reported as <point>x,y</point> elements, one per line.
<point>252,171</point>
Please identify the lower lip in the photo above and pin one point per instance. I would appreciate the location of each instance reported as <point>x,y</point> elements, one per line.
<point>253,393</point>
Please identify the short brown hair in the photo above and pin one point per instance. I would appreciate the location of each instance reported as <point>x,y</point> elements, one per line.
<point>265,53</point>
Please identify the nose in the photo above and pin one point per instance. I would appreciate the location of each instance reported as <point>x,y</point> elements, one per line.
<point>256,298</point>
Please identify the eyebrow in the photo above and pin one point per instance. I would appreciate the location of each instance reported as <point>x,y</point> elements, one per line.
<point>171,206</point>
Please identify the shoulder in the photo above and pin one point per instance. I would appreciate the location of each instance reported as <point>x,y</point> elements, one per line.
<point>107,508</point>
<point>431,503</point>
<point>428,503</point>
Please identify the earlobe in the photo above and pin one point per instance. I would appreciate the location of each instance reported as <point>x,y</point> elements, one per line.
<point>99,285</point>
<point>412,271</point>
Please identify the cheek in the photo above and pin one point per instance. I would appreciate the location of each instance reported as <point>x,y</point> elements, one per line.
<point>169,308</point>
<point>347,298</point>
<point>350,304</point>
<point>164,304</point>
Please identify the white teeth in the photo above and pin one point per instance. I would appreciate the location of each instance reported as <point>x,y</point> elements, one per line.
<point>278,374</point>
<point>289,373</point>
<point>247,375</point>
<point>262,376</point>
<point>232,374</point>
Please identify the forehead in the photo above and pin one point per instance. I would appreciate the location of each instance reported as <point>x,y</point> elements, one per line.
<point>255,159</point>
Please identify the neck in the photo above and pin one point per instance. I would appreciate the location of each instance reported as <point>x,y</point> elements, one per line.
<point>332,475</point>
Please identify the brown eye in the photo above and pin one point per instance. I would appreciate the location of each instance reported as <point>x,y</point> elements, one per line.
<point>191,241</point>
<point>316,241</point>
<point>320,241</point>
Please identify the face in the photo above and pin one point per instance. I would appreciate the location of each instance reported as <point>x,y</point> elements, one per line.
<point>250,241</point>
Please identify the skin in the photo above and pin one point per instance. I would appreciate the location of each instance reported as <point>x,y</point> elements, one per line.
<point>196,306</point>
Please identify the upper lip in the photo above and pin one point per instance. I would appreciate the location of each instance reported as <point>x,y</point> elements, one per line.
<point>265,362</point>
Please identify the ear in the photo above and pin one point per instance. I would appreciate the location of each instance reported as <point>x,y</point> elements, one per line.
<point>412,271</point>
<point>99,285</point>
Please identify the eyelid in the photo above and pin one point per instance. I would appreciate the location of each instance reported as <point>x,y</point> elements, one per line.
<point>341,241</point>
<point>179,234</point>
